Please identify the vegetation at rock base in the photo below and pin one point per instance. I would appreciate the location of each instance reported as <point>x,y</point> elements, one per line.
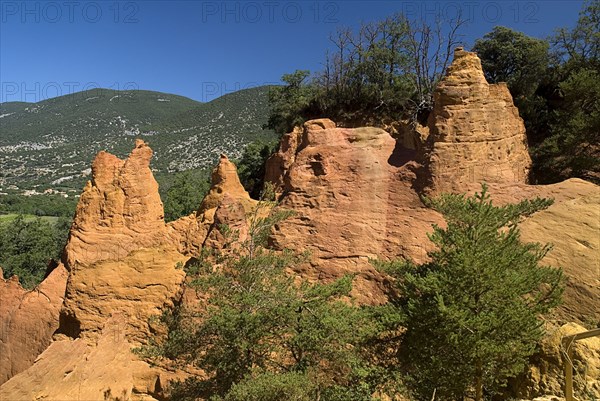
<point>472,312</point>
<point>28,245</point>
<point>261,335</point>
<point>461,324</point>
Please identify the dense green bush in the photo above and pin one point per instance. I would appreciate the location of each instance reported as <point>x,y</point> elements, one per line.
<point>38,205</point>
<point>183,192</point>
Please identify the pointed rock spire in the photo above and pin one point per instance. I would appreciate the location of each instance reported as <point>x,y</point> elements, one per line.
<point>225,180</point>
<point>475,132</point>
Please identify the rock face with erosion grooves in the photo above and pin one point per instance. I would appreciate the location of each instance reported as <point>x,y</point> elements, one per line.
<point>139,286</point>
<point>123,270</point>
<point>76,369</point>
<point>119,210</point>
<point>27,320</point>
<point>573,228</point>
<point>475,132</point>
<point>352,193</point>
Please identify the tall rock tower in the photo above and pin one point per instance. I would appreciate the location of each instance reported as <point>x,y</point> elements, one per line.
<point>475,132</point>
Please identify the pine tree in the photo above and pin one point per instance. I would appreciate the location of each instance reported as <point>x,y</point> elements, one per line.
<point>472,312</point>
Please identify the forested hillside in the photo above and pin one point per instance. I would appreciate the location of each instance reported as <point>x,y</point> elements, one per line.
<point>50,144</point>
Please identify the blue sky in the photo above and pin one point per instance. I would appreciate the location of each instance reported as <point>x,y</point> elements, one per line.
<point>204,49</point>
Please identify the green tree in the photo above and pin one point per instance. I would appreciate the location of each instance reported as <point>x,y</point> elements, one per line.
<point>289,102</point>
<point>26,248</point>
<point>515,58</point>
<point>185,194</point>
<point>580,46</point>
<point>296,386</point>
<point>571,149</point>
<point>472,312</point>
<point>259,332</point>
<point>523,63</point>
<point>383,72</point>
<point>251,166</point>
<point>38,205</point>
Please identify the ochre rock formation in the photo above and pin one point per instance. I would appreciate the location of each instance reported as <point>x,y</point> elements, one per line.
<point>123,270</point>
<point>573,228</point>
<point>119,210</point>
<point>351,190</point>
<point>475,132</point>
<point>76,369</point>
<point>224,180</point>
<point>139,286</point>
<point>27,320</point>
<point>546,375</point>
<point>120,258</point>
<point>124,267</point>
<point>190,233</point>
<point>356,196</point>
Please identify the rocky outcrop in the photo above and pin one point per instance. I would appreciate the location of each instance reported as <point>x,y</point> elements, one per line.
<point>138,287</point>
<point>475,132</point>
<point>123,270</point>
<point>546,375</point>
<point>28,320</point>
<point>119,255</point>
<point>356,191</point>
<point>119,210</point>
<point>125,267</point>
<point>76,369</point>
<point>573,228</point>
<point>351,190</point>
<point>190,233</point>
<point>224,181</point>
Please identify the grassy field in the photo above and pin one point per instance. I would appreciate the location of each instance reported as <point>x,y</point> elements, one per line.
<point>6,218</point>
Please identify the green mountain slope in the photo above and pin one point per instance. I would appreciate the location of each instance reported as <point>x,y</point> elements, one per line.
<point>50,144</point>
<point>196,137</point>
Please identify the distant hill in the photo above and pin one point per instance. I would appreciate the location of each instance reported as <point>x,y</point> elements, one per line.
<point>50,144</point>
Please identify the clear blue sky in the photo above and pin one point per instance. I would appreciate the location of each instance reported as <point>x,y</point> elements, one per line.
<point>203,49</point>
